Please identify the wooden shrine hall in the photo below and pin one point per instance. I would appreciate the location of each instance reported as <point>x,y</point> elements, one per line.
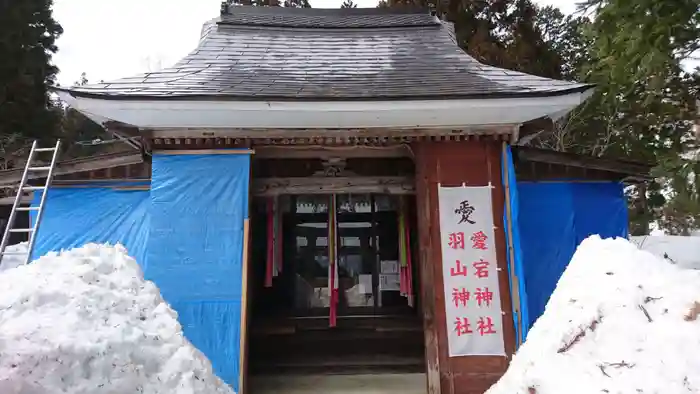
<point>322,191</point>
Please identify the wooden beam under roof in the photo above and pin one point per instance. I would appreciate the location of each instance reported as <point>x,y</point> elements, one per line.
<point>328,185</point>
<point>341,135</point>
<point>98,162</point>
<point>26,199</point>
<point>632,170</point>
<point>324,152</point>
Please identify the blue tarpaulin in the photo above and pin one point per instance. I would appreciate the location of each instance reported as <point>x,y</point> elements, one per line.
<point>195,249</point>
<point>520,321</point>
<point>554,217</point>
<point>74,217</point>
<point>187,233</point>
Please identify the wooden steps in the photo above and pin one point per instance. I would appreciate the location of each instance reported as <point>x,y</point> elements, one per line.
<point>340,384</point>
<point>360,346</point>
<point>340,365</point>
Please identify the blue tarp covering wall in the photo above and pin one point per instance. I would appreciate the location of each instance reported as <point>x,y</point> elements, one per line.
<point>521,321</point>
<point>553,219</point>
<point>74,217</point>
<point>195,249</point>
<point>186,232</point>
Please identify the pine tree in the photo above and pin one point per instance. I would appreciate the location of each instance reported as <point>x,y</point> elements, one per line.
<point>564,35</point>
<point>645,102</point>
<point>348,4</point>
<point>28,34</point>
<point>297,3</point>
<point>643,38</point>
<point>679,168</point>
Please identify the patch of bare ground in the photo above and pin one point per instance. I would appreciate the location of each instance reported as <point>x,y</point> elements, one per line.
<point>591,327</point>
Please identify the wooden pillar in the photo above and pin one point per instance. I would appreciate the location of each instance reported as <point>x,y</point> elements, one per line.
<point>452,163</point>
<point>427,214</point>
<point>246,299</point>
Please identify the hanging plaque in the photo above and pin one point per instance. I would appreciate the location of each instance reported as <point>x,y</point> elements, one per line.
<point>469,271</point>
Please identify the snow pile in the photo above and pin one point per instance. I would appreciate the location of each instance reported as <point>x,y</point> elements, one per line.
<point>85,321</point>
<point>620,321</point>
<point>684,251</point>
<point>13,261</point>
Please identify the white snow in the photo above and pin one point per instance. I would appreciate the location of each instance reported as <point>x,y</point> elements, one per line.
<point>85,321</point>
<point>620,321</point>
<point>684,251</point>
<point>13,261</point>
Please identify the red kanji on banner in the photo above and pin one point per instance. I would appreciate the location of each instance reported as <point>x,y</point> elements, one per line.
<point>460,296</point>
<point>462,326</point>
<point>482,268</point>
<point>479,240</point>
<point>485,326</point>
<point>456,240</point>
<point>483,297</point>
<point>458,269</point>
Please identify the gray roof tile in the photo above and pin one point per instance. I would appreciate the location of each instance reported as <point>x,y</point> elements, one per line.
<point>362,54</point>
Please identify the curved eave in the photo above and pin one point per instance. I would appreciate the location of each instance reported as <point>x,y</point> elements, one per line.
<point>79,93</point>
<point>187,112</point>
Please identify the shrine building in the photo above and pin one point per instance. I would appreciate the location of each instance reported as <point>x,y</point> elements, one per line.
<point>338,191</point>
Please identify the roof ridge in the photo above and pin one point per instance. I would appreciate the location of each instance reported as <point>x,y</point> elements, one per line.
<point>244,9</point>
<point>340,18</point>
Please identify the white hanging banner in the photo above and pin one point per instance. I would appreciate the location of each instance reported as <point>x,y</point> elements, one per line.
<point>469,271</point>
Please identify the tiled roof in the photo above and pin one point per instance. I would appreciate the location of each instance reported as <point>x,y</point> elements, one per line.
<point>305,54</point>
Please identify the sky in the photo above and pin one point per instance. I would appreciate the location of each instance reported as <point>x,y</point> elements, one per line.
<point>110,39</point>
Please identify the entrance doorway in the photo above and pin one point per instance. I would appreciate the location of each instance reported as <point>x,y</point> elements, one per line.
<point>372,323</point>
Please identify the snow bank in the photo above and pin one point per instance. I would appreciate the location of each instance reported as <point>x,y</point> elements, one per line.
<point>684,251</point>
<point>620,321</point>
<point>85,321</point>
<point>7,262</point>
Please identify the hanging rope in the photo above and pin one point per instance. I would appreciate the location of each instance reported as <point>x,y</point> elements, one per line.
<point>405,263</point>
<point>409,260</point>
<point>332,263</point>
<point>270,263</point>
<point>278,237</point>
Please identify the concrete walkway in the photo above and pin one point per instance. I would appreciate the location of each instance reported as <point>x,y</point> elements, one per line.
<point>339,384</point>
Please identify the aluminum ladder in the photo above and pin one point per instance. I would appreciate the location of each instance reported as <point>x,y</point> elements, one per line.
<point>39,210</point>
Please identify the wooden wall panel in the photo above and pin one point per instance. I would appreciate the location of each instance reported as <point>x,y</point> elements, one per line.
<point>474,163</point>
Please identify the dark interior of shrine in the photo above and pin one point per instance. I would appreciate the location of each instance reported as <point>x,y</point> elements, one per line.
<point>378,326</point>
